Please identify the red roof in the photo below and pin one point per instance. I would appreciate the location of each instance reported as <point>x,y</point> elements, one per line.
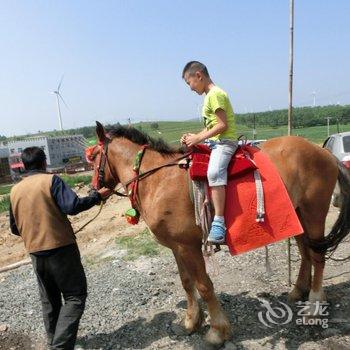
<point>17,165</point>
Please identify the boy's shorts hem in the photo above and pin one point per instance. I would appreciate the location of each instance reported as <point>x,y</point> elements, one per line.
<point>217,184</point>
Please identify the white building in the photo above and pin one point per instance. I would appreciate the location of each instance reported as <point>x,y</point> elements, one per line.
<point>59,150</point>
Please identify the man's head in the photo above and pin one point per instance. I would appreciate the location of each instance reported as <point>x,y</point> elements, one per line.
<point>196,76</point>
<point>34,158</point>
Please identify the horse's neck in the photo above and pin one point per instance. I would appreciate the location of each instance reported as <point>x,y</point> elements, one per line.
<point>124,154</point>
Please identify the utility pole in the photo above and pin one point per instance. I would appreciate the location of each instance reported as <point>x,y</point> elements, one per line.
<point>328,118</point>
<point>254,127</point>
<point>290,109</point>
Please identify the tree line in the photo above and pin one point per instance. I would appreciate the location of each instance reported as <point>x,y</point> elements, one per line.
<point>302,117</point>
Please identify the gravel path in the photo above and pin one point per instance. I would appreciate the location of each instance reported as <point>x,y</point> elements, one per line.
<point>138,305</point>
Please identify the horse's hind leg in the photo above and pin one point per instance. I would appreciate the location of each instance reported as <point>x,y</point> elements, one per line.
<point>316,292</point>
<point>303,284</point>
<point>314,225</point>
<point>220,329</point>
<point>194,315</point>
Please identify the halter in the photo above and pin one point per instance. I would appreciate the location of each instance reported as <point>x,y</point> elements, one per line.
<point>101,167</point>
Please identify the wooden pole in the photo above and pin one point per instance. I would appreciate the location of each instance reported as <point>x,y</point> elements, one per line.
<point>291,48</point>
<point>290,108</point>
<point>15,265</point>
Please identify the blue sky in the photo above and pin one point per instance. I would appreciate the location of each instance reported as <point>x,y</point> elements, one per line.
<point>124,59</point>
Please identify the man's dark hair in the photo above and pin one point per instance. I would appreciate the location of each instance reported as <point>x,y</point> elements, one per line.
<point>33,158</point>
<point>194,66</point>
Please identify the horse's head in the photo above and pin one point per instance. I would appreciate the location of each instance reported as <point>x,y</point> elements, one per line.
<point>98,155</point>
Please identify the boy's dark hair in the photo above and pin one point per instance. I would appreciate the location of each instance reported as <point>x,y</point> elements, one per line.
<point>33,158</point>
<point>194,66</point>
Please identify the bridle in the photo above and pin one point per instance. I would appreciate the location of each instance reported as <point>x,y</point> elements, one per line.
<point>132,193</point>
<point>101,168</point>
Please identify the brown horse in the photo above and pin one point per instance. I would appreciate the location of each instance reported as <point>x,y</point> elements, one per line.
<point>163,200</point>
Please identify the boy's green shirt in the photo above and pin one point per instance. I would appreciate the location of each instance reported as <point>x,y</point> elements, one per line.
<point>217,98</point>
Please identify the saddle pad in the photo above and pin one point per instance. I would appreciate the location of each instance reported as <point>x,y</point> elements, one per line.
<point>281,221</point>
<point>239,164</point>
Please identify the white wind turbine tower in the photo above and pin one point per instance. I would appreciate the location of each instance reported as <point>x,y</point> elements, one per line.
<point>314,98</point>
<point>58,97</point>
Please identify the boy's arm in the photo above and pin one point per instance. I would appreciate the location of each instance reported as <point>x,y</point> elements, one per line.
<point>221,126</point>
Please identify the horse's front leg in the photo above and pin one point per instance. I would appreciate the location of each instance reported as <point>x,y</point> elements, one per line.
<point>194,315</point>
<point>193,260</point>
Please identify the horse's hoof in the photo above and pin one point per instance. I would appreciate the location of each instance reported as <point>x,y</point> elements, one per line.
<point>317,296</point>
<point>218,335</point>
<point>191,325</point>
<point>297,294</point>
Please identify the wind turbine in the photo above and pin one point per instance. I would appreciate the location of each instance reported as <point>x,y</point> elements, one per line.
<point>313,93</point>
<point>58,97</point>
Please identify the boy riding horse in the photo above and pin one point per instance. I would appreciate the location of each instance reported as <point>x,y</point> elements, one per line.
<point>219,134</point>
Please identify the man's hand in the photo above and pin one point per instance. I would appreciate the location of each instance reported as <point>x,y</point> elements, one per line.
<point>105,192</point>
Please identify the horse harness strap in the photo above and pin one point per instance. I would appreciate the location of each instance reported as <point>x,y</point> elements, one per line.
<point>101,169</point>
<point>132,193</point>
<point>135,181</point>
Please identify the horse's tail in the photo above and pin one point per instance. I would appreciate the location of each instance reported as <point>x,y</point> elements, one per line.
<point>341,228</point>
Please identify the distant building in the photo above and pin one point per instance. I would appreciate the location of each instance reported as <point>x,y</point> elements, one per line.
<point>59,150</point>
<point>5,172</point>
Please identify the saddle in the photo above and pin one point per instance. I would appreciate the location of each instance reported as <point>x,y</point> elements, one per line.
<point>240,163</point>
<point>258,210</point>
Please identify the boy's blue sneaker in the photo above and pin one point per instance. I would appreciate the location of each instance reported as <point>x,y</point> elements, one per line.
<point>217,232</point>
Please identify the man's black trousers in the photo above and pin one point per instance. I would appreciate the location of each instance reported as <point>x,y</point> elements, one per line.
<point>61,274</point>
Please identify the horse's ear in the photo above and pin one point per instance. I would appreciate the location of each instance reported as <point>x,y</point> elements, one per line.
<point>100,132</point>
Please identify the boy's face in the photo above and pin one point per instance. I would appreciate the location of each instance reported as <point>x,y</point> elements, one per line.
<point>196,82</point>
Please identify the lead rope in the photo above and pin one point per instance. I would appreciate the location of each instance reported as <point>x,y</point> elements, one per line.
<point>91,220</point>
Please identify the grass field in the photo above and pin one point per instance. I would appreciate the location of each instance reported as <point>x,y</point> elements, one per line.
<point>72,181</point>
<point>5,189</point>
<point>4,204</point>
<point>172,131</point>
<point>143,244</point>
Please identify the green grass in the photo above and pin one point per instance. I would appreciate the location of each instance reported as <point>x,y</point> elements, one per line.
<point>72,181</point>
<point>5,189</point>
<point>143,244</point>
<point>4,204</point>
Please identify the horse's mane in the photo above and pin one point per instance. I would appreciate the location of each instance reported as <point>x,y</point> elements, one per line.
<point>136,136</point>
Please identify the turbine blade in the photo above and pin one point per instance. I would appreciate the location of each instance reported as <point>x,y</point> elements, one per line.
<point>59,85</point>
<point>62,99</point>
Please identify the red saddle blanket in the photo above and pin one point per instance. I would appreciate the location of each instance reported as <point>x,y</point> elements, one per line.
<point>243,232</point>
<point>239,164</point>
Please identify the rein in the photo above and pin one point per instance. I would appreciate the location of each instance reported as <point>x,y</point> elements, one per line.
<point>141,175</point>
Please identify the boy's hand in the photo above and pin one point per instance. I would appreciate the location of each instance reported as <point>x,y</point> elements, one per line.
<point>105,192</point>
<point>192,140</point>
<point>183,138</point>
